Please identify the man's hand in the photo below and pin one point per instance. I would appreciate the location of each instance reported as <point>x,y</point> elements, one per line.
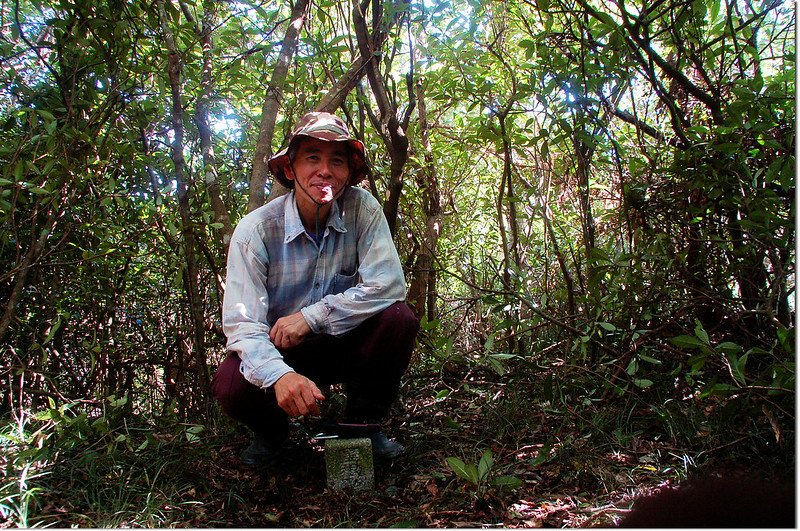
<point>297,395</point>
<point>289,331</point>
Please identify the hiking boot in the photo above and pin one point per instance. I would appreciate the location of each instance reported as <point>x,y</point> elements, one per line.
<point>261,452</point>
<point>382,446</point>
<point>385,448</point>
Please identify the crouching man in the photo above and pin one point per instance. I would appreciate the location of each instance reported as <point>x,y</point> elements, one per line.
<point>314,297</point>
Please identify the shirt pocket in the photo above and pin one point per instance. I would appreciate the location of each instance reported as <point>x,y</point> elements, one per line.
<point>342,283</point>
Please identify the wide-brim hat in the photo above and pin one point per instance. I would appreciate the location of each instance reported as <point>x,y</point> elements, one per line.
<point>322,126</point>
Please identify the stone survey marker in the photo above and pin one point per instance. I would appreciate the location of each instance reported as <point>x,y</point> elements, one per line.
<point>349,464</point>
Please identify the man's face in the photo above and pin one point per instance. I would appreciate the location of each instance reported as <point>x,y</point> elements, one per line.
<point>320,168</point>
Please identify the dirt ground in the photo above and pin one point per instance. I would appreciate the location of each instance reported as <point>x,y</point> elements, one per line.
<point>562,478</point>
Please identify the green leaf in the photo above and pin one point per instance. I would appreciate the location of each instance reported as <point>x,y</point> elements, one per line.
<point>700,332</point>
<point>53,329</point>
<point>507,481</point>
<point>737,367</point>
<point>648,359</point>
<point>19,170</point>
<point>786,339</point>
<point>496,366</point>
<point>463,470</point>
<point>426,325</point>
<point>718,389</point>
<point>642,383</point>
<point>47,115</point>
<point>607,19</point>
<point>697,361</point>
<point>485,465</point>
<point>728,347</point>
<point>715,7</point>
<point>542,456</point>
<point>529,46</point>
<point>193,433</point>
<point>452,424</point>
<point>117,402</point>
<point>686,341</point>
<point>633,366</point>
<point>489,343</point>
<point>39,191</point>
<point>405,524</point>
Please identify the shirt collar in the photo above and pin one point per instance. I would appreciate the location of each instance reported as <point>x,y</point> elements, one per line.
<point>294,225</point>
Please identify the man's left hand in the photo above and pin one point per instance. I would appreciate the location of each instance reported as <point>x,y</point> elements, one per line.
<point>289,331</point>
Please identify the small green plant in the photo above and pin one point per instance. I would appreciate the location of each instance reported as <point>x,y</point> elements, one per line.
<point>112,469</point>
<point>777,375</point>
<point>481,476</point>
<point>26,453</point>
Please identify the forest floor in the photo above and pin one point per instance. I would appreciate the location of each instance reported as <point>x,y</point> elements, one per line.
<point>562,480</point>
<point>548,467</point>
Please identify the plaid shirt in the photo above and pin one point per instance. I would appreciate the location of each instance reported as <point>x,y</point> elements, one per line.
<point>276,269</point>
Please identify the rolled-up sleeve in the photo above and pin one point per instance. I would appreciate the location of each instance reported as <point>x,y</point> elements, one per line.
<point>276,269</point>
<point>379,283</point>
<point>245,307</point>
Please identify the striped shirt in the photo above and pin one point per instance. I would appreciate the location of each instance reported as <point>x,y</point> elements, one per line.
<point>276,269</point>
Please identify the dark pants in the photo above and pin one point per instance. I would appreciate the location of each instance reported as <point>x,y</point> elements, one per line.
<point>369,360</point>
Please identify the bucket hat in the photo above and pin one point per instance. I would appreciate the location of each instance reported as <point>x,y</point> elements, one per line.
<point>322,126</point>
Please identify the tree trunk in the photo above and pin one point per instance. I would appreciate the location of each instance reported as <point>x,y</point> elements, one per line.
<point>336,96</point>
<point>388,126</point>
<point>329,103</point>
<point>269,111</point>
<point>31,256</point>
<point>221,215</point>
<point>562,263</point>
<point>422,289</point>
<point>191,276</point>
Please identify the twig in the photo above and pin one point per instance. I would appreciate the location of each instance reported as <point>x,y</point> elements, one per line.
<point>737,441</point>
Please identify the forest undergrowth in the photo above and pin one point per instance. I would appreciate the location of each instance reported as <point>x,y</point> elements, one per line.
<point>482,451</point>
<point>594,205</point>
